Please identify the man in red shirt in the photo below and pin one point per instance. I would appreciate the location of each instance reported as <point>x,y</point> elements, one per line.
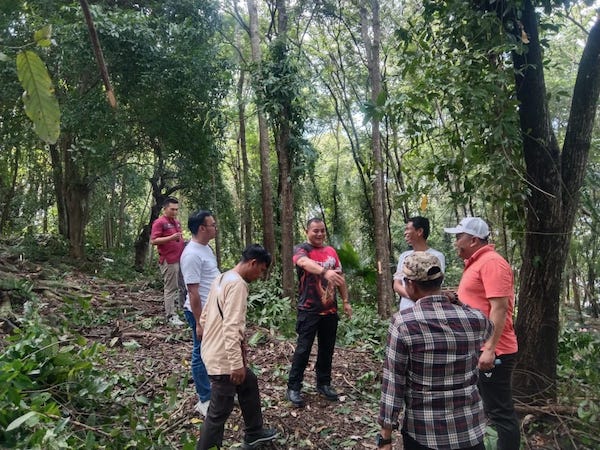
<point>319,277</point>
<point>488,285</point>
<point>167,236</point>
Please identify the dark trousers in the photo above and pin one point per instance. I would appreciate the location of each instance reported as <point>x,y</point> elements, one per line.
<point>495,388</point>
<point>221,404</point>
<point>411,444</point>
<point>308,326</point>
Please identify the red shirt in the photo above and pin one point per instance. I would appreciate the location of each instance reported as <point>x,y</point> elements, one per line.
<point>488,275</point>
<point>169,251</point>
<point>314,294</point>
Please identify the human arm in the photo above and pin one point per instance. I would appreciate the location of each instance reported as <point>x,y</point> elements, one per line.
<point>386,433</point>
<point>399,288</point>
<point>157,236</point>
<point>395,377</point>
<point>311,266</point>
<point>195,305</point>
<point>164,239</point>
<point>498,310</point>
<point>233,305</point>
<point>343,290</point>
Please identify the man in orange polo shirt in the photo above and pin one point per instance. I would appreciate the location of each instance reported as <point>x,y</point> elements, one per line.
<point>488,285</point>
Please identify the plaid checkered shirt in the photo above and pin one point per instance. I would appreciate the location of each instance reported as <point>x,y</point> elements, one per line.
<point>430,370</point>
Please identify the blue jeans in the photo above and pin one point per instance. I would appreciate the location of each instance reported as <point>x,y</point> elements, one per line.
<point>199,373</point>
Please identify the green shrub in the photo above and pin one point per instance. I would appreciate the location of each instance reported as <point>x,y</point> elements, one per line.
<point>54,394</point>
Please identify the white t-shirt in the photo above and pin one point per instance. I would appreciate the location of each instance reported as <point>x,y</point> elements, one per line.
<point>404,301</point>
<point>198,264</point>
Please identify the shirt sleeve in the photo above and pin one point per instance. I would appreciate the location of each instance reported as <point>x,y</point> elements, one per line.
<point>234,322</point>
<point>299,252</point>
<point>394,378</point>
<point>497,278</point>
<point>157,229</point>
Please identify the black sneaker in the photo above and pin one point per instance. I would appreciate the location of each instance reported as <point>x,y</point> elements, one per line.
<point>264,435</point>
<point>328,392</point>
<point>295,398</point>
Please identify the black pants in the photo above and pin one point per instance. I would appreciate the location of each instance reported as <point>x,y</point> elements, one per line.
<point>495,388</point>
<point>411,444</point>
<point>221,404</point>
<point>308,326</point>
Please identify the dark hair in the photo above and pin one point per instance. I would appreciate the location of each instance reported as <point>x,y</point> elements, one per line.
<point>257,252</point>
<point>430,285</point>
<point>169,200</point>
<point>420,222</point>
<point>197,219</point>
<point>314,220</point>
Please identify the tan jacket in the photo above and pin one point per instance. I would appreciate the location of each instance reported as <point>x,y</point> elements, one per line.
<point>224,330</point>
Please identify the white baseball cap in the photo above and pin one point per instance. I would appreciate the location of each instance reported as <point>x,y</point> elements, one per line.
<point>474,226</point>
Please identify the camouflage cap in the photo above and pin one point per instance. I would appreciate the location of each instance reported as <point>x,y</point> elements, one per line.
<point>422,266</point>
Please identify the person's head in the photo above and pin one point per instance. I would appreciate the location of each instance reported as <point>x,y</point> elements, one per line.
<point>203,225</point>
<point>170,207</point>
<point>315,232</point>
<point>472,233</point>
<point>254,262</point>
<point>416,230</point>
<point>423,275</point>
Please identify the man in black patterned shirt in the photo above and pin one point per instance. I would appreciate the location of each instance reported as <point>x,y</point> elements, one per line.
<point>430,367</point>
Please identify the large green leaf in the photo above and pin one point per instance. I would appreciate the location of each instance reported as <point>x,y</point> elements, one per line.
<point>41,106</point>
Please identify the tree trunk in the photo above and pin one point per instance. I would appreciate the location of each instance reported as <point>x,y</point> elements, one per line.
<point>57,177</point>
<point>284,158</point>
<point>382,238</point>
<point>556,179</point>
<point>246,209</point>
<point>9,192</point>
<point>265,168</point>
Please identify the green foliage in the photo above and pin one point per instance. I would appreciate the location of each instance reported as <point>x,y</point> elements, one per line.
<point>54,394</point>
<point>365,330</point>
<point>578,373</point>
<point>267,308</point>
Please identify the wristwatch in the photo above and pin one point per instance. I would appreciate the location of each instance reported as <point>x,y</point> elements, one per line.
<point>381,441</point>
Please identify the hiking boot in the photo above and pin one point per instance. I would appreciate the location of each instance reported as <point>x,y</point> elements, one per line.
<point>295,398</point>
<point>328,392</point>
<point>264,435</point>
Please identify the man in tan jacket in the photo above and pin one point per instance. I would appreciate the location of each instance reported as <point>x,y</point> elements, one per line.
<point>223,324</point>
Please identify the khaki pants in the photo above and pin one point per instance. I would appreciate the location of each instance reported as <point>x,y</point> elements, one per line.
<point>170,273</point>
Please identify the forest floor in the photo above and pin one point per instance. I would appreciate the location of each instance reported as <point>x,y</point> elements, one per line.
<point>138,340</point>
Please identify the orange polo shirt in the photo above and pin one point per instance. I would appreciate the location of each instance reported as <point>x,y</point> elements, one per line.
<point>488,275</point>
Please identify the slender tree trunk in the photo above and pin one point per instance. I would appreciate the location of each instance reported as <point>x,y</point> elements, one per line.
<point>246,222</point>
<point>59,189</point>
<point>265,168</point>
<point>9,192</point>
<point>284,158</point>
<point>382,239</point>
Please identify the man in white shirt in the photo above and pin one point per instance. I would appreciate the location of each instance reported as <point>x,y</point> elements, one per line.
<point>199,268</point>
<point>416,233</point>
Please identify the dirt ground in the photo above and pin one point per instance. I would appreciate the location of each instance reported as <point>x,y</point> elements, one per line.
<point>141,342</point>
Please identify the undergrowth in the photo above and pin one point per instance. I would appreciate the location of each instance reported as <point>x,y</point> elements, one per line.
<point>55,394</point>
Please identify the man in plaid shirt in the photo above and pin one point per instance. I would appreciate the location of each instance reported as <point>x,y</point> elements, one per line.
<point>430,367</point>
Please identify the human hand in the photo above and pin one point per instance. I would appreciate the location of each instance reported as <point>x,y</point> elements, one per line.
<point>199,331</point>
<point>452,297</point>
<point>486,360</point>
<point>238,375</point>
<point>335,277</point>
<point>348,309</point>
